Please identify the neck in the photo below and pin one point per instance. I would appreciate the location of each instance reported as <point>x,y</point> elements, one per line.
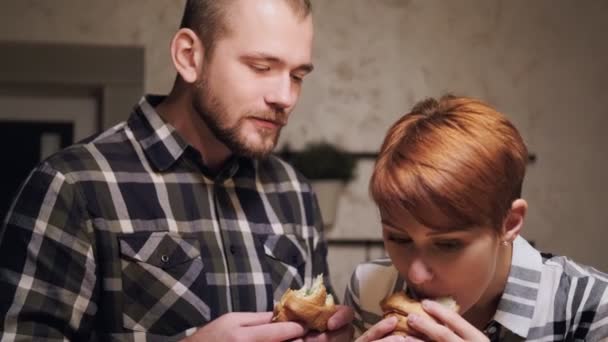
<point>485,309</point>
<point>178,111</point>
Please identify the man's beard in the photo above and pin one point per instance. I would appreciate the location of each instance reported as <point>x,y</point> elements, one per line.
<point>214,113</point>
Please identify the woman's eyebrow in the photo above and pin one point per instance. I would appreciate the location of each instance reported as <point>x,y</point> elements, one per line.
<point>448,232</point>
<point>389,225</point>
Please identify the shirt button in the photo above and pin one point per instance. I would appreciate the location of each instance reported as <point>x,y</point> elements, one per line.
<point>233,249</point>
<point>164,258</point>
<point>491,329</point>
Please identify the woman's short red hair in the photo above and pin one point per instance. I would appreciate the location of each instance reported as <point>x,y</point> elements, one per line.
<point>456,156</point>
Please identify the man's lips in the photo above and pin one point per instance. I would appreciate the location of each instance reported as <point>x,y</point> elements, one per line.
<point>267,123</point>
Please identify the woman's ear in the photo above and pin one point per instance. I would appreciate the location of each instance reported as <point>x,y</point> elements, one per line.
<point>187,53</point>
<point>514,221</point>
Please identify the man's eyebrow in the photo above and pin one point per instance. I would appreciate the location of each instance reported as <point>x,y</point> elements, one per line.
<point>307,68</point>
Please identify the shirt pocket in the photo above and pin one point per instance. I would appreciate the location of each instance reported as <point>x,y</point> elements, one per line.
<point>286,258</point>
<point>160,273</point>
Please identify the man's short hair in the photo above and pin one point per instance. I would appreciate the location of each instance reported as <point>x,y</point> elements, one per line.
<point>208,18</point>
<point>458,157</point>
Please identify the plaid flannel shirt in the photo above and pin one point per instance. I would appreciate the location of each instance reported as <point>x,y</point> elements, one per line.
<point>546,298</point>
<point>128,237</point>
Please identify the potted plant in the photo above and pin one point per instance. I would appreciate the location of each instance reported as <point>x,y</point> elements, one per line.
<point>328,168</point>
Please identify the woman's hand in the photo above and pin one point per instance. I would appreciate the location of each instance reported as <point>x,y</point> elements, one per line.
<point>451,327</point>
<point>380,330</point>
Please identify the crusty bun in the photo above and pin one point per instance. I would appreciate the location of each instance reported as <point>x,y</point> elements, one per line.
<point>400,305</point>
<point>313,307</point>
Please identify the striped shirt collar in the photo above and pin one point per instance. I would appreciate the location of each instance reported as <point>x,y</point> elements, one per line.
<point>516,306</point>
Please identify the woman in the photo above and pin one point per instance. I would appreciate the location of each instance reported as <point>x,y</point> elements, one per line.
<point>448,185</point>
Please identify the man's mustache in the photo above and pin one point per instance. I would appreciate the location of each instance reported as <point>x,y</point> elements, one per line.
<point>276,117</point>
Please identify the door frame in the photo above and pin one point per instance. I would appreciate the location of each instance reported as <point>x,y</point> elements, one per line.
<point>113,74</point>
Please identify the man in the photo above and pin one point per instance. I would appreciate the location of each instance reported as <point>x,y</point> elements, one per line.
<point>177,223</point>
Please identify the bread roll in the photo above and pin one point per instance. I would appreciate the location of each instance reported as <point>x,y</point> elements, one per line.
<point>400,305</point>
<point>313,307</point>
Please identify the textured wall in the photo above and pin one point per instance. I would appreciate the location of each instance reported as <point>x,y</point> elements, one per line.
<point>148,23</point>
<point>542,62</point>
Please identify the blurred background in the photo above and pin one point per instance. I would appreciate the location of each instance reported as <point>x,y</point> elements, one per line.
<point>69,68</point>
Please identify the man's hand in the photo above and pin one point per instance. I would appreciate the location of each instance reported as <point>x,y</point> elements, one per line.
<point>247,326</point>
<point>338,327</point>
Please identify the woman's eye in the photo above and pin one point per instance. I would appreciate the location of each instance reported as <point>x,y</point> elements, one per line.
<point>449,245</point>
<point>399,240</point>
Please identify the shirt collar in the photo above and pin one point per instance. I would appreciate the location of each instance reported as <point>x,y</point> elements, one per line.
<point>163,145</point>
<point>159,140</point>
<point>516,307</point>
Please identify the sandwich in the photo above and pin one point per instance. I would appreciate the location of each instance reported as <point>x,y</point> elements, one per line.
<point>310,306</point>
<point>400,305</point>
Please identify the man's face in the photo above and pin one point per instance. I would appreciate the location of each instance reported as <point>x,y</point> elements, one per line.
<point>252,81</point>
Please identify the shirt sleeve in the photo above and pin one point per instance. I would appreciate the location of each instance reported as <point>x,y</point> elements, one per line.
<point>598,327</point>
<point>319,255</point>
<point>351,298</point>
<point>47,267</point>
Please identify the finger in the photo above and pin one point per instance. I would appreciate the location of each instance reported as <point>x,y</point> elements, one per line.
<point>379,330</point>
<point>342,317</point>
<point>412,339</point>
<point>452,320</point>
<point>432,329</point>
<point>394,338</point>
<point>315,337</point>
<point>344,334</point>
<point>279,331</point>
<point>246,319</point>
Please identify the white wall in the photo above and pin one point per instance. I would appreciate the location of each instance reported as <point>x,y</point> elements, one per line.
<point>542,62</point>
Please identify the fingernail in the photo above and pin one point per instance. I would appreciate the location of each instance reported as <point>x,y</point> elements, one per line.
<point>412,318</point>
<point>392,320</point>
<point>427,304</point>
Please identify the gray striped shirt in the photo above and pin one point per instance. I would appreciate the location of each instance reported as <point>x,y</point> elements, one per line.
<point>546,298</point>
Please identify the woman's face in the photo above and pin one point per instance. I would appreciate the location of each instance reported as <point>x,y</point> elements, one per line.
<point>467,265</point>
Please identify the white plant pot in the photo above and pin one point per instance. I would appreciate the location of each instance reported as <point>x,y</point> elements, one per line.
<point>328,194</point>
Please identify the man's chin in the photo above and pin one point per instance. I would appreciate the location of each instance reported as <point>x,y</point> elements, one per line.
<point>259,151</point>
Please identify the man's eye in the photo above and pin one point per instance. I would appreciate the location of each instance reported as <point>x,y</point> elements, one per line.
<point>259,67</point>
<point>297,78</point>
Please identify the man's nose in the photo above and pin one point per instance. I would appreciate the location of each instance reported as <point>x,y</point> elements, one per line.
<point>283,93</point>
<point>419,272</point>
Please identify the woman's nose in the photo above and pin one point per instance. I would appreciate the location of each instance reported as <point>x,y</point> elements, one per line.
<point>419,272</point>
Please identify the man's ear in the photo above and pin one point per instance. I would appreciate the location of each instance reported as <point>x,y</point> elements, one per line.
<point>514,221</point>
<point>187,53</point>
